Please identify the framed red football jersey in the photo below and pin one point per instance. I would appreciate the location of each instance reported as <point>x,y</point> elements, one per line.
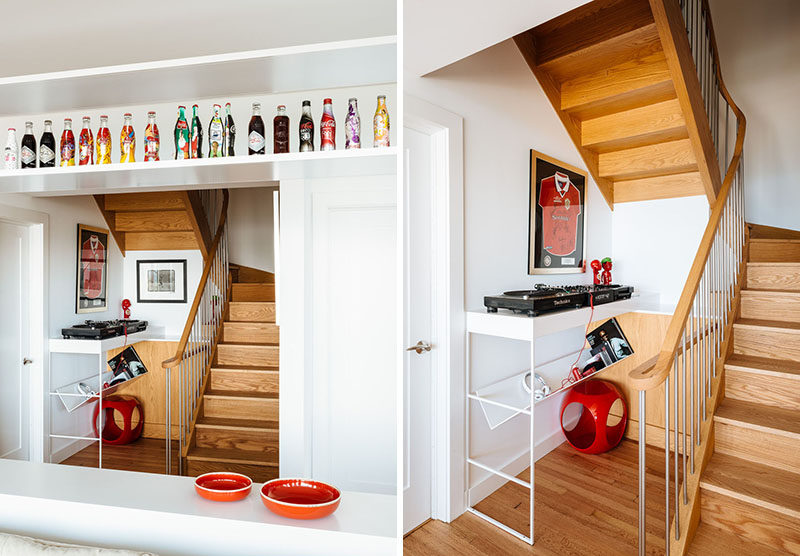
<point>557,217</point>
<point>92,279</point>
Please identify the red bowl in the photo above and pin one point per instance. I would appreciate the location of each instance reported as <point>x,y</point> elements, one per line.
<point>223,487</point>
<point>300,498</point>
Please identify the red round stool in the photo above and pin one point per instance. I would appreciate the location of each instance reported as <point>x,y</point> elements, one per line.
<point>125,405</point>
<point>592,435</point>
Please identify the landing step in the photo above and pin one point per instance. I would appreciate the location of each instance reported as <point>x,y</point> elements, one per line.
<point>754,483</point>
<point>712,541</point>
<point>241,457</point>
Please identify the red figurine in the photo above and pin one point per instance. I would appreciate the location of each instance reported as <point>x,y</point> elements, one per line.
<point>606,277</point>
<point>596,270</point>
<point>126,308</point>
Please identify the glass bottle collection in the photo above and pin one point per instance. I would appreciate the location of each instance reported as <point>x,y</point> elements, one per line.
<point>188,136</point>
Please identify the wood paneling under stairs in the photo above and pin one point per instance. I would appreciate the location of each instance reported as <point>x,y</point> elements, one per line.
<point>615,72</point>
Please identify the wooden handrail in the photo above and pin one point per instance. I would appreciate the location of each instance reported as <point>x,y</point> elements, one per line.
<point>187,329</point>
<point>652,377</point>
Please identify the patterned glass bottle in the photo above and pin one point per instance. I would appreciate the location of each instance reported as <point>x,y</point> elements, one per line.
<point>152,140</point>
<point>352,126</point>
<point>103,141</point>
<point>67,144</point>
<point>127,141</point>
<point>381,123</point>
<point>86,143</point>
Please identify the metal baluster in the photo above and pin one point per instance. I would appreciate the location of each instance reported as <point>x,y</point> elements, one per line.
<point>691,386</point>
<point>666,463</point>
<point>683,412</point>
<point>707,342</point>
<point>676,450</point>
<point>642,468</point>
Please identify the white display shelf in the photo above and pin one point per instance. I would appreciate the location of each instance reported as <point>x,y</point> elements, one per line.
<point>202,173</point>
<point>295,68</point>
<point>96,347</point>
<point>516,326</point>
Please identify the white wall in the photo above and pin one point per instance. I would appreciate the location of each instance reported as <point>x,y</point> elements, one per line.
<point>169,317</point>
<point>251,228</point>
<point>758,48</point>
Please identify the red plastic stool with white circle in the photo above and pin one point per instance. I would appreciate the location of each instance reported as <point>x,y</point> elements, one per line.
<point>592,434</point>
<point>125,406</point>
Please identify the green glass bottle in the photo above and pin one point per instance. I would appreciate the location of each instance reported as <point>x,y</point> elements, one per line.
<point>182,139</point>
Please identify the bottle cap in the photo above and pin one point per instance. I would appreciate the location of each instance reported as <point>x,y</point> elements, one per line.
<point>382,96</point>
<point>217,106</point>
<point>256,105</point>
<point>86,118</point>
<point>227,104</point>
<point>182,106</point>
<point>352,100</point>
<point>127,115</point>
<point>195,106</point>
<point>151,113</point>
<point>326,101</point>
<point>281,107</point>
<point>48,122</point>
<point>306,103</point>
<point>12,129</point>
<point>67,119</point>
<point>28,123</point>
<point>103,116</point>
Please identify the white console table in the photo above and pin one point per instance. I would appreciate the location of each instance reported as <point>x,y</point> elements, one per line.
<point>505,324</point>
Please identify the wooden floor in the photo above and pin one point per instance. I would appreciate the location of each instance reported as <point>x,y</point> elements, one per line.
<point>584,505</point>
<point>146,455</point>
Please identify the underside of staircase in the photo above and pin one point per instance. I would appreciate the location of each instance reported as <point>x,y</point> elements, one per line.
<point>157,221</point>
<point>237,424</point>
<point>750,489</point>
<point>629,98</point>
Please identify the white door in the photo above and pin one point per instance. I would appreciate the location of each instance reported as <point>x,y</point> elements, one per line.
<point>418,367</point>
<point>14,342</point>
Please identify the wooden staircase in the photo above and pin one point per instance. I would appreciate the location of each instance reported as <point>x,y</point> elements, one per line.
<point>170,220</point>
<point>621,79</point>
<point>750,490</point>
<point>237,424</point>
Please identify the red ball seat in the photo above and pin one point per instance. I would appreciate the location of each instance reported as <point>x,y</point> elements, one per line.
<point>592,434</point>
<point>112,433</point>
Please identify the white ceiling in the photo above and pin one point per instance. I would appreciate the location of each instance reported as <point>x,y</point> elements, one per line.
<point>41,35</point>
<point>440,32</point>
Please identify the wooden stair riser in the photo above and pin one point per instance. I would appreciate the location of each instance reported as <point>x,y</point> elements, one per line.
<point>259,474</point>
<point>251,312</point>
<point>778,343</point>
<point>253,292</point>
<point>235,380</point>
<point>250,333</point>
<point>769,390</point>
<point>776,450</point>
<point>754,523</point>
<point>160,241</point>
<point>156,201</point>
<point>242,355</point>
<point>774,251</point>
<point>264,442</point>
<point>672,157</point>
<point>156,221</point>
<point>685,184</point>
<point>773,276</point>
<point>771,305</point>
<point>229,407</point>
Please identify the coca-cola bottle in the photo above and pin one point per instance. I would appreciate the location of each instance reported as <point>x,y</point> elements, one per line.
<point>196,150</point>
<point>352,126</point>
<point>86,143</point>
<point>182,140</point>
<point>306,128</point>
<point>381,123</point>
<point>280,131</point>
<point>28,151</point>
<point>11,154</point>
<point>103,142</point>
<point>216,134</point>
<point>230,131</point>
<point>47,146</point>
<point>152,139</point>
<point>327,127</point>
<point>67,144</point>
<point>127,140</point>
<point>256,144</point>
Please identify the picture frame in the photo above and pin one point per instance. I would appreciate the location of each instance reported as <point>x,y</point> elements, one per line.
<point>91,288</point>
<point>161,281</point>
<point>557,216</point>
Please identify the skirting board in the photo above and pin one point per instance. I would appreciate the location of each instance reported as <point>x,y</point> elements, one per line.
<point>520,464</point>
<point>69,450</point>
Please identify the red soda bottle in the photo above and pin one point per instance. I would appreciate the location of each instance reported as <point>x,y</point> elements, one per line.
<point>67,144</point>
<point>327,127</point>
<point>152,141</point>
<point>86,143</point>
<point>127,140</point>
<point>103,142</point>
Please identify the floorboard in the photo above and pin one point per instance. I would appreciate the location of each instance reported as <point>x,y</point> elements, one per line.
<point>146,455</point>
<point>584,505</point>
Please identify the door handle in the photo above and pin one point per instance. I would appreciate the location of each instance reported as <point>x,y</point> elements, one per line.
<point>27,361</point>
<point>420,347</point>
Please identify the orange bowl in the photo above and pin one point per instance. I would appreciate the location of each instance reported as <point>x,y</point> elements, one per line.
<point>223,486</point>
<point>300,498</point>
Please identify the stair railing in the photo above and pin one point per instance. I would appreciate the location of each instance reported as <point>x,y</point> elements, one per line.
<point>694,348</point>
<point>201,333</point>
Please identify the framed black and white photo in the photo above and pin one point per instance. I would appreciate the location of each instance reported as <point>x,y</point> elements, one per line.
<point>161,281</point>
<point>556,227</point>
<point>92,287</point>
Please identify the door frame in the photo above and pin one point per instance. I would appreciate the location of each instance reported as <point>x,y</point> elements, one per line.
<point>38,224</point>
<point>447,229</point>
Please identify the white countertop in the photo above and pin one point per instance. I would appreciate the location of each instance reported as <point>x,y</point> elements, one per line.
<point>73,345</point>
<point>163,514</point>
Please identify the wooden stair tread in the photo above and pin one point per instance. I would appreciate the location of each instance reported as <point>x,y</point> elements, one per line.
<point>228,456</point>
<point>225,423</point>
<point>242,395</point>
<point>755,483</point>
<point>654,123</point>
<point>777,292</point>
<point>250,344</point>
<point>760,323</point>
<point>668,186</point>
<point>763,365</point>
<point>246,368</point>
<point>667,158</point>
<point>774,240</point>
<point>712,541</point>
<point>760,417</point>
